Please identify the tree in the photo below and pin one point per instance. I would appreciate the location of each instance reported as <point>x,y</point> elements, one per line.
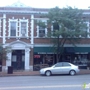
<point>3,52</point>
<point>68,27</point>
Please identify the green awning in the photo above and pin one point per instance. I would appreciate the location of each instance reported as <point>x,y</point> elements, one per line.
<point>44,49</point>
<point>52,49</point>
<point>82,49</point>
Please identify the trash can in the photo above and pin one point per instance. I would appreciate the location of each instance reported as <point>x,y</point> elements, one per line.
<point>0,68</point>
<point>10,70</point>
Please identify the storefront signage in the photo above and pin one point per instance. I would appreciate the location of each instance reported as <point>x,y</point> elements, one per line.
<point>36,56</point>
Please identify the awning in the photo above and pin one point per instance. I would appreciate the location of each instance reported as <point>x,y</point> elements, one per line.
<point>69,50</point>
<point>66,49</point>
<point>44,49</point>
<point>82,49</point>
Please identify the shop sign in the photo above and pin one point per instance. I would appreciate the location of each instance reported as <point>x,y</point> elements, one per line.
<point>36,56</point>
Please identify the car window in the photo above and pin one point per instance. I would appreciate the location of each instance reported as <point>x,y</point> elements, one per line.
<point>58,65</point>
<point>66,64</point>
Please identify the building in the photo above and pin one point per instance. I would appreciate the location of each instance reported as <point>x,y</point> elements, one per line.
<point>27,41</point>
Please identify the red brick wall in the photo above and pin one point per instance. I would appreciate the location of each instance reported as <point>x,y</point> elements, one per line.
<point>31,56</point>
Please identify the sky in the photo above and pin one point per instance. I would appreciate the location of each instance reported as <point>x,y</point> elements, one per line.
<point>81,4</point>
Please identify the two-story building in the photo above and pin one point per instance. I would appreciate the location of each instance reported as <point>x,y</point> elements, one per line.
<point>28,43</point>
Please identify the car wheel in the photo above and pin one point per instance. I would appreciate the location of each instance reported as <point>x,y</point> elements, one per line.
<point>72,72</point>
<point>48,73</point>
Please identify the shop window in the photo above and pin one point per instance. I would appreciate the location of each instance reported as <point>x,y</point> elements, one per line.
<point>36,56</point>
<point>80,59</point>
<point>49,59</point>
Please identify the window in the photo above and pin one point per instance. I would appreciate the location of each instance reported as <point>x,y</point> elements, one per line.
<point>41,32</point>
<point>66,64</point>
<point>55,26</point>
<point>12,28</point>
<point>58,65</point>
<point>23,28</point>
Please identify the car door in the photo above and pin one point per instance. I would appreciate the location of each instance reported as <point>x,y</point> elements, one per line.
<point>57,68</point>
<point>66,68</point>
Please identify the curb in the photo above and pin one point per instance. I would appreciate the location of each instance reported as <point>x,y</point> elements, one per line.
<point>36,73</point>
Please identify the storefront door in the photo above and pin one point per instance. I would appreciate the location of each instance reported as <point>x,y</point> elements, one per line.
<point>18,59</point>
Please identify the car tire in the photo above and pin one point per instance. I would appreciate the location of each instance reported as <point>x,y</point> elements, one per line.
<point>48,73</point>
<point>72,72</point>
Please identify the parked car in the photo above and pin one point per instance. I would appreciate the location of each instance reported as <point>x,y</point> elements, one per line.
<point>60,68</point>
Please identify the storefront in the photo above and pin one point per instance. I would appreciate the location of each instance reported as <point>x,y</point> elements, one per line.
<point>46,56</point>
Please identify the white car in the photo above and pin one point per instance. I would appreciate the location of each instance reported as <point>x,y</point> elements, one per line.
<point>60,68</point>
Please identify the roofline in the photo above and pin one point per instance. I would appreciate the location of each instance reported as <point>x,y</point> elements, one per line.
<point>26,12</point>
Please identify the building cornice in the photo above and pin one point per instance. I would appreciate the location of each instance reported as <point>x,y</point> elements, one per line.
<point>25,12</point>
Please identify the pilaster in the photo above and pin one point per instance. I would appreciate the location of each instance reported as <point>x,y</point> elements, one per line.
<point>27,58</point>
<point>32,29</point>
<point>4,28</point>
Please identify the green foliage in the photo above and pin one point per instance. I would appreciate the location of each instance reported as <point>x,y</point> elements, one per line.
<point>40,23</point>
<point>70,26</point>
<point>3,52</point>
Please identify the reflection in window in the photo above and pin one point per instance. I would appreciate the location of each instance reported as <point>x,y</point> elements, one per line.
<point>58,65</point>
<point>66,64</point>
<point>55,26</point>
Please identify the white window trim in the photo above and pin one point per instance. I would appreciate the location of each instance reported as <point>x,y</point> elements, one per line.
<point>21,20</point>
<point>37,31</point>
<point>13,20</point>
<point>0,28</point>
<point>45,29</point>
<point>88,29</point>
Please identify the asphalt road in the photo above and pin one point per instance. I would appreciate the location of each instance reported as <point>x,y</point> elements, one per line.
<point>60,82</point>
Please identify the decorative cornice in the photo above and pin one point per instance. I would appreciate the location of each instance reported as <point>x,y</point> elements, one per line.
<point>22,11</point>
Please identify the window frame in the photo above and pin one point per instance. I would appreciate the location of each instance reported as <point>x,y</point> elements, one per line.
<point>20,21</point>
<point>42,30</point>
<point>16,21</point>
<point>38,35</point>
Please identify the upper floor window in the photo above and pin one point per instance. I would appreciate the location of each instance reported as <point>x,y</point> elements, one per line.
<point>12,28</point>
<point>23,28</point>
<point>41,31</point>
<point>41,28</point>
<point>55,27</point>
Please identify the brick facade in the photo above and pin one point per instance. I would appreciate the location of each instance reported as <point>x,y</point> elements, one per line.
<point>28,42</point>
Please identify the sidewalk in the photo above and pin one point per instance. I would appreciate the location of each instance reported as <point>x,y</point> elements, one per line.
<point>35,73</point>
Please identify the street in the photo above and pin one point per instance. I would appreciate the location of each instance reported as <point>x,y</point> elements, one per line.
<point>58,82</point>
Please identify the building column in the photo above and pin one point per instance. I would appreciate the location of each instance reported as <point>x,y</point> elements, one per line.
<point>4,28</point>
<point>32,29</point>
<point>8,61</point>
<point>27,59</point>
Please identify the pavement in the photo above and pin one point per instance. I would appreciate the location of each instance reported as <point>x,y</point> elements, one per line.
<point>35,73</point>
